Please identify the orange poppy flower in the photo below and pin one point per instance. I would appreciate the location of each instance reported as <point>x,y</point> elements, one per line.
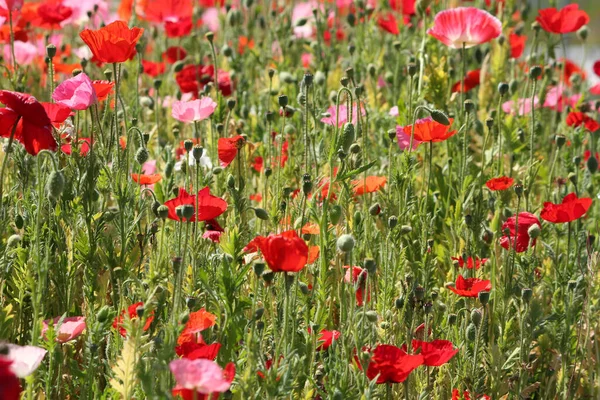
<point>369,185</point>
<point>313,254</point>
<point>228,149</point>
<point>428,130</point>
<point>115,43</point>
<point>311,228</point>
<point>146,179</point>
<point>103,89</point>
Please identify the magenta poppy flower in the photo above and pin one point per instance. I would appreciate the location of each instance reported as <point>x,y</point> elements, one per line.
<point>332,111</point>
<point>203,376</point>
<point>195,110</point>
<point>77,93</point>
<point>465,26</point>
<point>70,328</point>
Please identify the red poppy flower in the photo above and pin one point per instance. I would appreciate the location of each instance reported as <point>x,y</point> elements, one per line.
<point>428,130</point>
<point>58,113</point>
<point>470,287</point>
<point>596,68</point>
<point>284,252</point>
<point>577,118</point>
<point>146,179</point>
<point>179,28</point>
<point>391,364</point>
<point>258,163</point>
<point>204,351</point>
<point>193,78</point>
<point>209,206</point>
<point>228,149</point>
<point>569,19</point>
<point>10,386</point>
<point>358,279</point>
<point>153,69</point>
<point>132,313</point>
<point>517,45</point>
<point>167,10</point>
<point>435,353</point>
<point>34,129</point>
<point>587,154</point>
<point>521,241</point>
<point>467,396</point>
<point>369,185</point>
<point>114,43</point>
<point>477,262</point>
<point>84,147</point>
<point>471,82</point>
<point>51,14</point>
<point>388,23</point>
<point>500,183</point>
<point>257,197</point>
<point>174,54</point>
<point>103,89</point>
<point>326,339</point>
<point>571,209</point>
<point>244,43</point>
<point>188,394</point>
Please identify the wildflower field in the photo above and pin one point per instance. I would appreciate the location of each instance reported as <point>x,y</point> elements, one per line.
<point>292,199</point>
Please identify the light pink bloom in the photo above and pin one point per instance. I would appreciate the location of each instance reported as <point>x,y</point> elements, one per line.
<point>69,329</point>
<point>83,52</point>
<point>214,236</point>
<point>465,25</point>
<point>2,20</point>
<point>149,167</point>
<point>168,101</point>
<point>307,59</point>
<point>195,110</point>
<point>80,12</point>
<point>304,12</point>
<point>25,53</point>
<point>523,108</point>
<point>394,111</point>
<point>25,359</point>
<point>41,43</point>
<point>76,93</point>
<point>404,139</point>
<point>210,17</point>
<point>556,100</point>
<point>203,376</point>
<point>332,110</point>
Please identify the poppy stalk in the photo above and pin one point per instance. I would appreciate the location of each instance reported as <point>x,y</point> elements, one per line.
<point>5,161</point>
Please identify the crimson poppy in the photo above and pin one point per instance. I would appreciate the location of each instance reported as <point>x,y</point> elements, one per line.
<point>388,23</point>
<point>51,14</point>
<point>477,262</point>
<point>518,237</point>
<point>228,149</point>
<point>369,185</point>
<point>284,252</point>
<point>10,386</point>
<point>428,130</point>
<point>152,68</point>
<point>34,128</point>
<point>358,277</point>
<point>174,54</point>
<point>209,206</point>
<point>500,183</point>
<point>577,118</point>
<point>178,28</point>
<point>190,394</point>
<point>435,353</point>
<point>471,81</point>
<point>569,19</point>
<point>58,113</point>
<point>391,364</point>
<point>84,147</point>
<point>143,179</point>
<point>193,78</point>
<point>114,43</point>
<point>258,163</point>
<point>596,68</point>
<point>517,44</point>
<point>571,209</point>
<point>470,287</point>
<point>326,339</point>
<point>132,313</point>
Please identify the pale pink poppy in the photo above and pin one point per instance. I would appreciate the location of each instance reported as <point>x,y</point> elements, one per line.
<point>168,101</point>
<point>83,52</point>
<point>394,111</point>
<point>468,26</point>
<point>307,59</point>
<point>2,20</point>
<point>521,107</point>
<point>25,359</point>
<point>11,5</point>
<point>203,376</point>
<point>149,167</point>
<point>69,329</point>
<point>404,139</point>
<point>210,17</point>
<point>556,99</point>
<point>195,110</point>
<point>81,8</point>
<point>303,12</point>
<point>76,93</point>
<point>41,43</point>
<point>332,110</point>
<point>25,53</point>
<point>214,236</point>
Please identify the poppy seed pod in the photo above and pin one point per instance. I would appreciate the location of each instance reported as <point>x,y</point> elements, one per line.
<point>534,231</point>
<point>345,243</point>
<point>259,268</point>
<point>440,117</point>
<point>399,303</point>
<point>469,105</point>
<point>141,155</point>
<point>197,152</point>
<point>320,78</point>
<point>344,81</point>
<point>308,79</point>
<point>163,212</point>
<point>231,103</point>
<point>370,265</point>
<point>535,72</point>
<point>484,297</point>
<point>209,36</point>
<point>412,69</point>
<point>451,319</point>
<point>503,88</point>
<point>519,190</point>
<point>283,100</point>
<point>188,211</point>
<point>583,33</point>
<point>420,292</point>
<point>55,185</point>
<point>50,51</point>
<point>489,122</point>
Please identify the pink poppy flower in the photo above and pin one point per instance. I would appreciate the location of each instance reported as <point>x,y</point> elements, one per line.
<point>523,108</point>
<point>77,93</point>
<point>303,12</point>
<point>332,110</point>
<point>210,17</point>
<point>404,139</point>
<point>70,328</point>
<point>25,359</point>
<point>195,110</point>
<point>394,111</point>
<point>556,100</point>
<point>468,26</point>
<point>25,53</point>
<point>203,376</point>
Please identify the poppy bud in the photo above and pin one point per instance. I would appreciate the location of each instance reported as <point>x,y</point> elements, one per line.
<point>451,319</point>
<point>592,164</point>
<point>227,51</point>
<point>259,268</point>
<point>338,395</point>
<point>420,292</point>
<point>370,265</point>
<point>283,101</point>
<point>157,83</point>
<point>526,294</point>
<point>371,315</point>
<point>412,69</point>
<point>307,187</point>
<point>155,206</point>
<point>230,182</point>
<point>268,172</point>
<point>178,66</point>
<point>220,128</point>
<point>184,317</point>
<point>19,221</point>
<point>536,26</point>
<point>261,213</point>
<point>55,185</point>
<point>535,72</point>
<point>573,177</point>
<point>392,222</point>
<point>163,212</point>
<point>197,152</point>
<point>259,313</point>
<point>534,231</point>
<point>513,86</point>
<point>357,218</point>
<point>347,136</point>
<point>440,117</point>
<point>484,297</point>
<point>375,209</point>
<point>372,70</point>
<point>345,243</point>
<point>502,88</point>
<point>583,32</point>
<point>102,314</point>
<point>476,317</point>
<point>335,214</point>
<point>268,276</point>
<point>209,36</point>
<point>141,155</point>
<point>51,51</point>
<point>231,103</point>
